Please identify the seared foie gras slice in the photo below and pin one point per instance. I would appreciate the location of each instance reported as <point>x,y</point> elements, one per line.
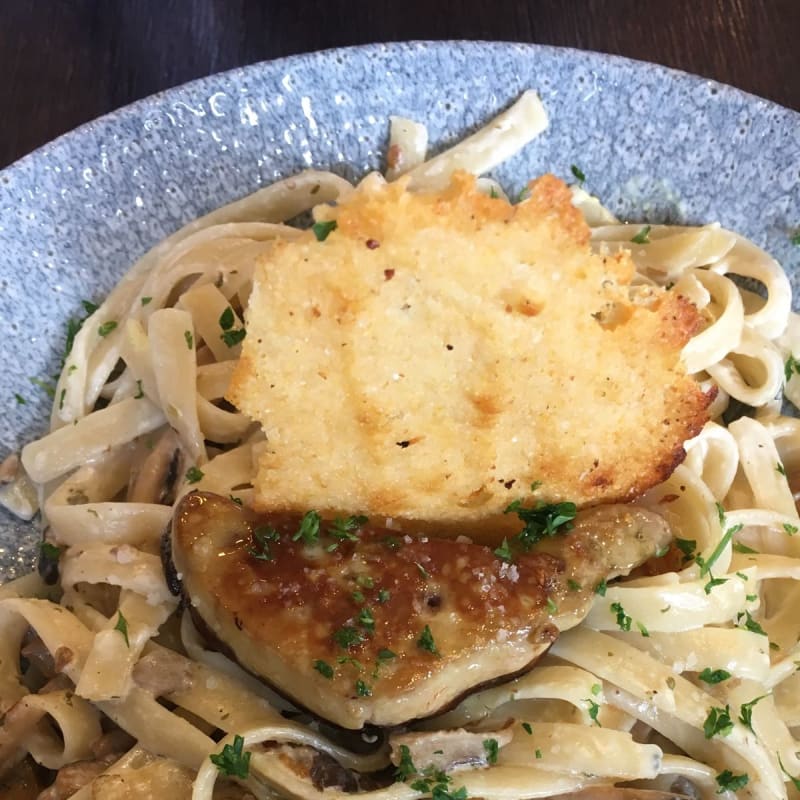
<point>367,627</point>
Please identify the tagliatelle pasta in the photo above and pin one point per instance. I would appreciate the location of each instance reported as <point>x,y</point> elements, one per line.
<point>681,680</point>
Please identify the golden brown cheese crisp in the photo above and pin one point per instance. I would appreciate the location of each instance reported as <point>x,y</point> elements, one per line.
<point>438,353</point>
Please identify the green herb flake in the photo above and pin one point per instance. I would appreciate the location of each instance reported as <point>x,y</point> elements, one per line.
<point>670,682</point>
<point>528,728</point>
<point>491,747</point>
<point>643,630</point>
<point>262,536</point>
<point>358,597</point>
<point>146,301</point>
<point>662,551</point>
<point>49,551</point>
<point>596,689</point>
<point>345,528</point>
<point>791,367</point>
<point>728,782</point>
<point>780,468</point>
<point>426,641</point>
<point>194,475</point>
<point>790,529</point>
<point>233,761</point>
<point>362,690</point>
<point>386,655</point>
<point>493,193</point>
<point>424,574</point>
<point>308,531</point>
<point>61,399</point>
<point>139,391</point>
<point>20,399</point>
<point>573,585</point>
<point>795,238</point>
<point>718,722</point>
<point>713,583</point>
<point>623,620</point>
<point>122,627</point>
<point>643,237</point>
<point>551,606</point>
<point>324,668</point>
<point>384,595</point>
<point>538,753</point>
<point>712,676</point>
<point>187,335</point>
<point>751,598</point>
<point>720,514</point>
<point>578,173</point>
<point>365,581</point>
<point>795,781</point>
<point>746,712</point>
<point>48,388</point>
<point>594,710</point>
<point>232,338</point>
<point>348,636</point>
<point>542,520</point>
<point>406,768</point>
<point>687,547</point>
<point>721,545</point>
<point>323,229</point>
<point>738,547</point>
<point>366,619</point>
<point>226,319</point>
<point>751,625</point>
<point>601,588</point>
<point>504,552</point>
<point>106,328</point>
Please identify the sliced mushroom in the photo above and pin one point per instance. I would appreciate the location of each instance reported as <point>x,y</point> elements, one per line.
<point>157,477</point>
<point>446,750</point>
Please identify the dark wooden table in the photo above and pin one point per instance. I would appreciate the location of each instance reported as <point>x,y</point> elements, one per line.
<point>64,62</point>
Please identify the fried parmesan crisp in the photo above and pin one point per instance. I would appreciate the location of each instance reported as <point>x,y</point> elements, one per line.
<point>436,354</point>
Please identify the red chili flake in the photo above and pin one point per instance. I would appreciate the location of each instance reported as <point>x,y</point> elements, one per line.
<point>388,274</point>
<point>373,244</point>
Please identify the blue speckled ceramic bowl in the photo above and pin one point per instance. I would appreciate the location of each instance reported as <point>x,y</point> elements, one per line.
<point>655,144</point>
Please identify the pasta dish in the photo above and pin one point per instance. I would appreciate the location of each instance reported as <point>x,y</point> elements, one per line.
<point>230,602</point>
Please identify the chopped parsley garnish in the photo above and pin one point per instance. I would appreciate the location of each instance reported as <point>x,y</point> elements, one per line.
<point>324,668</point>
<point>49,551</point>
<point>791,366</point>
<point>48,388</point>
<point>544,519</point>
<point>362,690</point>
<point>623,620</point>
<point>20,399</point>
<point>323,229</point>
<point>781,469</point>
<point>643,630</point>
<point>738,547</point>
<point>728,782</point>
<point>365,581</point>
<point>573,585</point>
<point>426,641</point>
<point>662,551</point>
<point>713,583</point>
<point>687,547</point>
<point>384,595</point>
<point>122,627</point>
<point>194,475</point>
<point>504,552</point>
<point>386,655</point>
<point>350,660</point>
<point>718,722</point>
<point>358,597</point>
<point>601,588</point>
<point>406,768</point>
<point>705,565</point>
<point>492,748</point>
<point>344,529</point>
<point>106,328</point>
<point>230,335</point>
<point>233,761</point>
<point>139,391</point>
<point>309,529</point>
<point>790,529</point>
<point>366,619</point>
<point>746,712</point>
<point>262,536</point>
<point>422,571</point>
<point>348,636</point>
<point>714,676</point>
<point>146,300</point>
<point>795,238</point>
<point>795,781</point>
<point>187,335</point>
<point>596,689</point>
<point>751,625</point>
<point>643,237</point>
<point>594,710</point>
<point>578,173</point>
<point>61,399</point>
<point>720,514</point>
<point>538,753</point>
<point>493,193</point>
<point>551,605</point>
<point>528,728</point>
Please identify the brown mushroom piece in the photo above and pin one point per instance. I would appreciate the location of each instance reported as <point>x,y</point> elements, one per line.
<point>364,627</point>
<point>156,478</point>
